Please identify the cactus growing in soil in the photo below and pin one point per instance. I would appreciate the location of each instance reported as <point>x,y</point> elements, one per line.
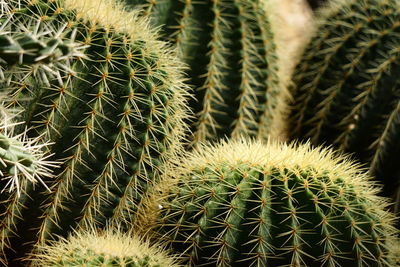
<point>246,203</point>
<point>229,47</point>
<point>113,117</point>
<point>347,91</point>
<point>107,248</point>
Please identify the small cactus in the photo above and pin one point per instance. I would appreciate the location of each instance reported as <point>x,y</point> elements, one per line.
<point>347,91</point>
<point>244,203</point>
<point>230,50</point>
<point>104,249</point>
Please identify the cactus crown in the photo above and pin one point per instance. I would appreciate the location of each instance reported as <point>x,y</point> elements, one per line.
<point>269,205</point>
<point>105,248</point>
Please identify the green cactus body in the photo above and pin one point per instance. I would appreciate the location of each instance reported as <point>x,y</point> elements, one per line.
<point>249,204</point>
<point>229,48</point>
<point>106,249</point>
<point>113,117</point>
<point>347,87</point>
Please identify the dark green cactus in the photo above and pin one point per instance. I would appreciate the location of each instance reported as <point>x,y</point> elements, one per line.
<point>249,204</point>
<point>229,48</point>
<point>110,248</point>
<point>347,87</point>
<point>113,117</point>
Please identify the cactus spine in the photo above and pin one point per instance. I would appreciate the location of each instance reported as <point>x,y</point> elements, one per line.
<point>107,248</point>
<point>347,87</point>
<point>229,48</point>
<point>248,204</point>
<point>113,116</point>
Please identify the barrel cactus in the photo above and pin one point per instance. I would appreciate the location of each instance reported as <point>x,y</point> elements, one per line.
<point>107,248</point>
<point>347,91</point>
<point>244,203</point>
<point>113,117</point>
<point>229,48</point>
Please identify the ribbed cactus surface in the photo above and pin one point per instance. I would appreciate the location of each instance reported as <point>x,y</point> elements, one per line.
<point>113,117</point>
<point>347,90</point>
<point>249,204</point>
<point>108,248</point>
<point>229,47</point>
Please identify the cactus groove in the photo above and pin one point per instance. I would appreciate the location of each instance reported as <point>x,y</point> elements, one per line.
<point>113,115</point>
<point>347,90</point>
<point>228,45</point>
<point>248,204</point>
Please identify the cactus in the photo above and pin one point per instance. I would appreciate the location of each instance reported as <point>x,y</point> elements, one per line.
<point>244,203</point>
<point>21,160</point>
<point>38,50</point>
<point>113,117</point>
<point>107,248</point>
<point>347,88</point>
<point>26,49</point>
<point>229,47</point>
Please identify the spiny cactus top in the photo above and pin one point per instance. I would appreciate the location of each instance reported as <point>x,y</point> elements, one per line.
<point>348,88</point>
<point>114,117</point>
<point>248,204</point>
<point>229,47</point>
<point>108,248</point>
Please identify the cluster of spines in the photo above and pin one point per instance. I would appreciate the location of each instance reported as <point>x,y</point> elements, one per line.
<point>274,205</point>
<point>114,119</point>
<point>30,49</point>
<point>346,90</point>
<point>229,48</point>
<point>104,248</point>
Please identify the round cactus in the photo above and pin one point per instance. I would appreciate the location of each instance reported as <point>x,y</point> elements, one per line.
<point>113,116</point>
<point>347,91</point>
<point>230,50</point>
<point>106,249</point>
<point>248,204</point>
